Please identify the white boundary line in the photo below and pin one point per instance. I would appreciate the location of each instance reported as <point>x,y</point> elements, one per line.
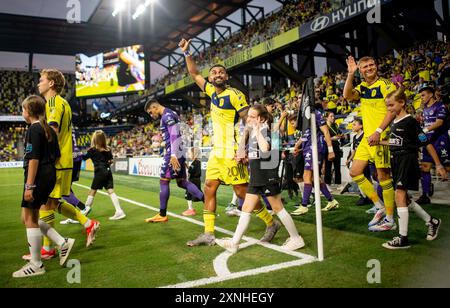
<point>220,263</point>
<point>252,272</point>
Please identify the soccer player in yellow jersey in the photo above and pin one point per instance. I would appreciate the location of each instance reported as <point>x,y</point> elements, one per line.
<point>59,117</point>
<point>372,93</point>
<point>228,105</point>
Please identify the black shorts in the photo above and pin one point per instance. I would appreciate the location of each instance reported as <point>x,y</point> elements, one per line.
<point>406,171</point>
<point>76,171</point>
<point>45,182</point>
<point>196,182</point>
<point>102,180</point>
<point>271,189</point>
<point>298,163</point>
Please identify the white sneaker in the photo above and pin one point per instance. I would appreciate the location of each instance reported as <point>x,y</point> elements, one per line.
<point>300,211</point>
<point>227,244</point>
<point>29,270</point>
<point>86,210</point>
<point>68,221</point>
<point>233,212</point>
<point>64,250</point>
<point>118,215</point>
<point>292,244</point>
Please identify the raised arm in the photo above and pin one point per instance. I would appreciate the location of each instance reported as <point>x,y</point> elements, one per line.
<point>191,66</point>
<point>349,92</point>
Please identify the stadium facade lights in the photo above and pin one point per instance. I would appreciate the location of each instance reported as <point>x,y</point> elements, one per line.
<point>119,6</point>
<point>142,7</point>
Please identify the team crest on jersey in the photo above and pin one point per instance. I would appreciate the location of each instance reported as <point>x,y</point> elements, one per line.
<point>395,140</point>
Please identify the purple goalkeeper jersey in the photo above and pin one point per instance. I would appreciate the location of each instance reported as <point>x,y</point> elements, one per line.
<point>438,111</point>
<point>170,129</point>
<point>307,142</point>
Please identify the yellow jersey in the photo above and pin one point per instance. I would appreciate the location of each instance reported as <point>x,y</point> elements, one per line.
<point>59,112</point>
<point>225,108</point>
<point>373,104</point>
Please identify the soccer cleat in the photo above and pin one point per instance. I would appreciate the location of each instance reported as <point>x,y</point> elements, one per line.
<point>207,239</point>
<point>68,221</point>
<point>384,225</point>
<point>29,270</point>
<point>157,218</point>
<point>45,255</point>
<point>233,212</point>
<point>379,215</point>
<point>346,188</point>
<point>332,205</point>
<point>189,212</point>
<point>118,215</point>
<point>91,231</point>
<point>271,231</point>
<point>302,210</point>
<point>372,210</point>
<point>399,242</point>
<point>64,250</point>
<point>292,244</point>
<point>433,228</point>
<point>86,211</point>
<point>423,200</point>
<point>228,245</point>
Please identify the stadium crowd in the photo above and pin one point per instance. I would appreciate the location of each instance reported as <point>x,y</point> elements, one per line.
<point>17,85</point>
<point>10,138</point>
<point>427,63</point>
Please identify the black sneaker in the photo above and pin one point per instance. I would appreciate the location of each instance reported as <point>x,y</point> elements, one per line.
<point>363,201</point>
<point>423,200</point>
<point>431,190</point>
<point>433,228</point>
<point>399,242</point>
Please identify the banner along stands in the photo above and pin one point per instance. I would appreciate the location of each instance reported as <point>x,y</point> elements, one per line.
<point>145,166</point>
<point>11,164</point>
<point>120,166</point>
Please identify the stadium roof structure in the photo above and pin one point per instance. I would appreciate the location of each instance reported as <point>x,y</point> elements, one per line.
<point>41,27</point>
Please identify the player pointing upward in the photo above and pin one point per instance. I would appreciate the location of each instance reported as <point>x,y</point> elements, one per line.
<point>228,105</point>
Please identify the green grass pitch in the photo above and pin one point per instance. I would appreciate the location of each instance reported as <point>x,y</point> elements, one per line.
<point>132,253</point>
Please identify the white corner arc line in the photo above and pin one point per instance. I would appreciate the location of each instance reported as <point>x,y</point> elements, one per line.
<point>220,263</point>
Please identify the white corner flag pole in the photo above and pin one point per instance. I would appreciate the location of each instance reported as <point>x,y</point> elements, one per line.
<point>317,187</point>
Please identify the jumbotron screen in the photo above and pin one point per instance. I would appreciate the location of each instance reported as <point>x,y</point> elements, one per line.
<point>117,71</point>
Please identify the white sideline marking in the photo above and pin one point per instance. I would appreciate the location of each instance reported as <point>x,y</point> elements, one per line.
<point>252,272</point>
<point>220,262</point>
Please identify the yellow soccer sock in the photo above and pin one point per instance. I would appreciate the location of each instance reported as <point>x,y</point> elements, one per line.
<point>71,212</point>
<point>367,188</point>
<point>264,215</point>
<point>388,197</point>
<point>209,218</point>
<point>48,217</point>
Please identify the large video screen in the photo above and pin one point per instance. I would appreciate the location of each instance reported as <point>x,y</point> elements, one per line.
<point>117,71</point>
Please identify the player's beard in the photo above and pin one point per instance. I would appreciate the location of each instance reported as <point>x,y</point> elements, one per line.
<point>221,84</point>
